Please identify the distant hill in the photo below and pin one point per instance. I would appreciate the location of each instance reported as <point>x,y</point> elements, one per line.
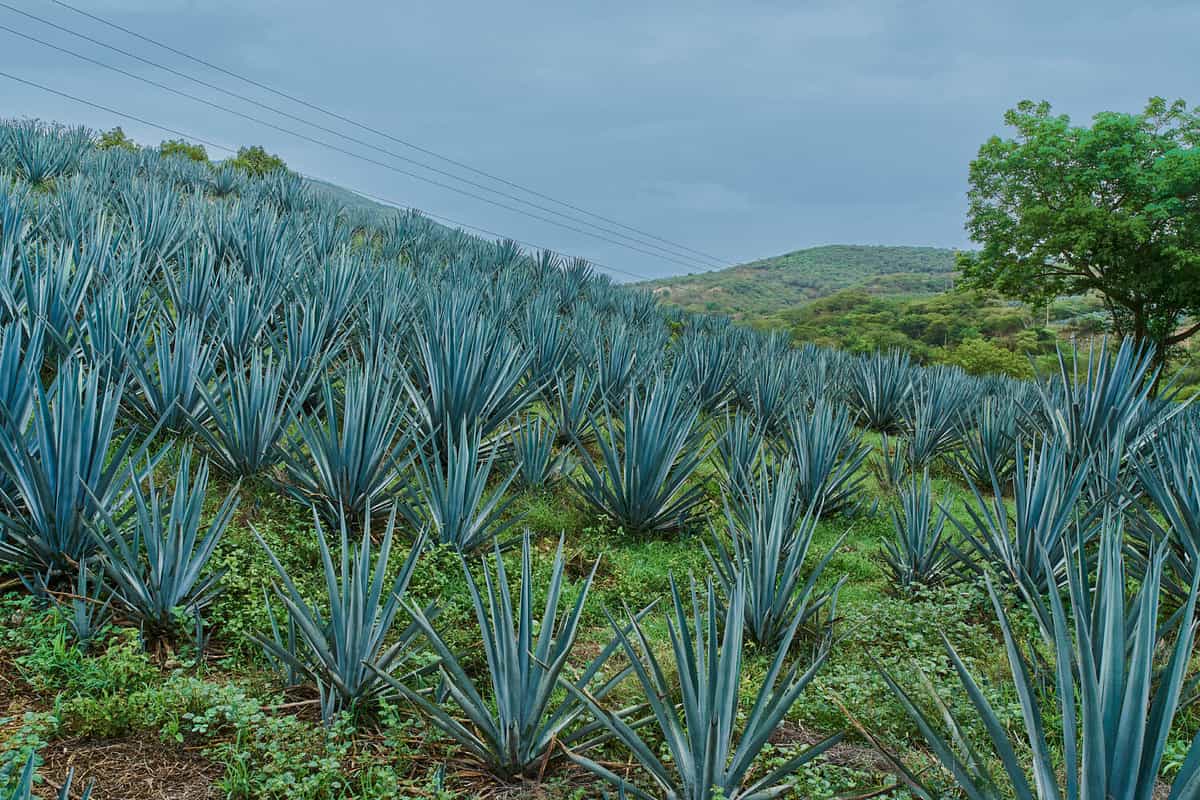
<point>772,285</point>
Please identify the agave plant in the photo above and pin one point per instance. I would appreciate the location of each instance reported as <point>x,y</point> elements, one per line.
<point>466,372</point>
<point>711,742</point>
<point>571,407</point>
<point>533,446</point>
<point>1170,478</point>
<point>829,455</point>
<point>157,563</point>
<point>989,435</point>
<point>170,376</point>
<point>646,461</point>
<point>88,611</point>
<point>1114,705</point>
<point>1111,395</point>
<point>739,450</point>
<point>349,458</point>
<point>932,421</point>
<point>768,390</point>
<point>708,366</point>
<point>68,471</point>
<point>920,553</point>
<point>1045,491</point>
<point>516,730</point>
<point>769,535</point>
<point>453,499</point>
<point>335,637</point>
<point>878,389</point>
<point>45,152</point>
<point>249,413</point>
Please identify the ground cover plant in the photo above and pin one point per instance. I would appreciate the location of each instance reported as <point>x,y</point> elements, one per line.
<point>304,501</point>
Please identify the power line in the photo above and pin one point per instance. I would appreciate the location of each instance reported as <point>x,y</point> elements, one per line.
<point>233,151</point>
<point>665,255</point>
<point>377,132</point>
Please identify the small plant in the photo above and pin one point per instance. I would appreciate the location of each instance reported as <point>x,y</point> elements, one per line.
<point>920,554</point>
<point>89,610</point>
<point>533,447</point>
<point>453,499</point>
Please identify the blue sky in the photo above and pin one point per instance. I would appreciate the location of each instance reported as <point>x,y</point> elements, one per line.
<point>741,130</point>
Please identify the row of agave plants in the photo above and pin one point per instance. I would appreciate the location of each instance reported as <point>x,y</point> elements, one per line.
<point>378,367</point>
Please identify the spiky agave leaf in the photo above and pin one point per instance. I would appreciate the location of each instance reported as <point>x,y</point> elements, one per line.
<point>740,450</point>
<point>157,563</point>
<point>170,374</point>
<point>68,471</point>
<point>919,554</point>
<point>711,742</point>
<point>1046,492</point>
<point>646,461</point>
<point>349,457</point>
<point>538,466</point>
<point>453,500</point>
<point>466,371</point>
<point>24,783</point>
<point>878,388</point>
<point>339,634</point>
<point>1170,478</point>
<point>1115,707</point>
<point>769,532</point>
<point>515,728</point>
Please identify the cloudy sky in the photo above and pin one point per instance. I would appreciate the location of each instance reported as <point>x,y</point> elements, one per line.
<point>737,130</point>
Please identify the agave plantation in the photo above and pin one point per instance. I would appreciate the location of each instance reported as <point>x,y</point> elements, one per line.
<point>345,503</point>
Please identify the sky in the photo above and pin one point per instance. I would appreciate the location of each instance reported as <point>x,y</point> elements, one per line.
<point>734,130</point>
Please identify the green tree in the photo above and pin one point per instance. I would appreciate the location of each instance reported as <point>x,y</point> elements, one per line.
<point>178,147</point>
<point>256,161</point>
<point>115,138</point>
<point>1113,209</point>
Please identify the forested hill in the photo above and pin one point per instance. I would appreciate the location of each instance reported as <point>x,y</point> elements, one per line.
<point>770,285</point>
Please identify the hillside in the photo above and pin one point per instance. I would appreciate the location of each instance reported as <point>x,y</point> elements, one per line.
<point>771,285</point>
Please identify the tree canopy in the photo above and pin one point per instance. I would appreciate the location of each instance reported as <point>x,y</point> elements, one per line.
<point>1111,209</point>
<point>179,147</point>
<point>256,161</point>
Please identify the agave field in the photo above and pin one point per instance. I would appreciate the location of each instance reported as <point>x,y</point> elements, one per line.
<point>298,502</point>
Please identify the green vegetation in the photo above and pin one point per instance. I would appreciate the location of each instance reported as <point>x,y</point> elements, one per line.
<point>721,574</point>
<point>762,289</point>
<point>182,149</point>
<point>256,162</point>
<point>1110,210</point>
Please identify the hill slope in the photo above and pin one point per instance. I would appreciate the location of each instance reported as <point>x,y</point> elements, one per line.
<point>771,285</point>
